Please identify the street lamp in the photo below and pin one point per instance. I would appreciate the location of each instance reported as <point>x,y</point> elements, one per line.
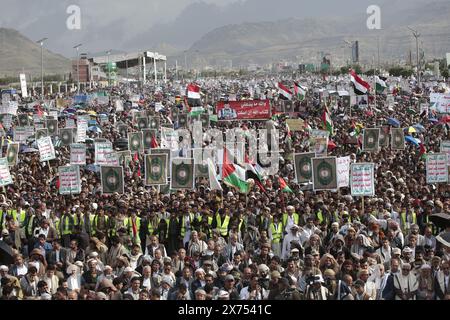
<point>42,65</point>
<point>78,66</point>
<point>109,69</point>
<point>416,35</point>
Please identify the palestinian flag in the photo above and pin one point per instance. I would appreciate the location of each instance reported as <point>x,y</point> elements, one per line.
<point>380,84</point>
<point>283,186</point>
<point>233,175</point>
<point>300,91</point>
<point>195,111</point>
<point>359,85</point>
<point>284,91</point>
<point>327,122</point>
<point>422,151</point>
<point>214,183</point>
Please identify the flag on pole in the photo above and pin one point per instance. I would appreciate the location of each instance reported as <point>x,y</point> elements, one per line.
<point>251,173</point>
<point>193,91</point>
<point>422,151</point>
<point>360,86</point>
<point>328,123</point>
<point>213,181</point>
<point>380,85</point>
<point>283,186</point>
<point>284,91</point>
<point>195,111</point>
<point>233,175</point>
<point>300,91</point>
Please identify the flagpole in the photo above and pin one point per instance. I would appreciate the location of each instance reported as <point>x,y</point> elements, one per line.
<point>363,212</point>
<point>375,83</point>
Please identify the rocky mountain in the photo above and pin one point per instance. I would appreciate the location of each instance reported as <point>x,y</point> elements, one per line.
<point>304,38</point>
<point>20,54</point>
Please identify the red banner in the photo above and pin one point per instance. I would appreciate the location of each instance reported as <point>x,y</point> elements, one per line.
<point>243,110</point>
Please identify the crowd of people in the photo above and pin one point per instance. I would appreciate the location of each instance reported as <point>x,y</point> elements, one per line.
<point>204,244</point>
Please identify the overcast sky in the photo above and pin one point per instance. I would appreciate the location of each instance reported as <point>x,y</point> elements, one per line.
<point>47,18</point>
<point>131,24</point>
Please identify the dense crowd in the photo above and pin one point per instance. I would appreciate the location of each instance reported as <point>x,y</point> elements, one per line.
<point>218,245</point>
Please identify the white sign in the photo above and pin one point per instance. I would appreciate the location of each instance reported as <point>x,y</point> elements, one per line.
<point>112,159</point>
<point>5,175</point>
<point>343,171</point>
<point>102,149</point>
<point>82,126</point>
<point>158,106</point>
<point>46,149</point>
<point>445,148</point>
<point>69,180</point>
<point>169,139</point>
<point>448,59</point>
<point>21,134</point>
<point>23,85</point>
<point>70,123</point>
<point>437,168</point>
<point>7,121</point>
<point>440,102</point>
<point>362,181</point>
<point>119,105</point>
<point>78,154</point>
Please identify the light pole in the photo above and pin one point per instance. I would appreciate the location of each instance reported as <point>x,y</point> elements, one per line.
<point>78,66</point>
<point>42,65</point>
<point>109,69</point>
<point>416,35</point>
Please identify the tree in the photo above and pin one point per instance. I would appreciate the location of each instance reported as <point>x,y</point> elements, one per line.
<point>400,71</point>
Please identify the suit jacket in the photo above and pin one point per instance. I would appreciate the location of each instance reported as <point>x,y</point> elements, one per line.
<point>228,250</point>
<point>439,285</point>
<point>388,292</point>
<point>51,257</point>
<point>180,280</point>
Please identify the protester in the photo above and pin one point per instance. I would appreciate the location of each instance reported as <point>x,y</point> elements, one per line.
<point>266,236</point>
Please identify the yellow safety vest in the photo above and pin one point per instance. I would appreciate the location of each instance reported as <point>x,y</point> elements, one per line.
<point>285,218</point>
<point>129,225</point>
<point>277,232</point>
<point>403,215</point>
<point>94,219</point>
<point>58,231</point>
<point>183,223</point>
<point>223,228</point>
<point>150,228</point>
<point>336,216</point>
<point>320,216</point>
<point>66,225</point>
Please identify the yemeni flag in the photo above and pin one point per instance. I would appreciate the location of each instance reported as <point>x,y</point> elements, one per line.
<point>300,91</point>
<point>360,86</point>
<point>380,84</point>
<point>327,122</point>
<point>251,173</point>
<point>233,175</point>
<point>193,91</point>
<point>193,96</point>
<point>284,91</point>
<point>283,186</point>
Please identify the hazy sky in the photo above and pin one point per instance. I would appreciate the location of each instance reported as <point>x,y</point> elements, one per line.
<point>144,24</point>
